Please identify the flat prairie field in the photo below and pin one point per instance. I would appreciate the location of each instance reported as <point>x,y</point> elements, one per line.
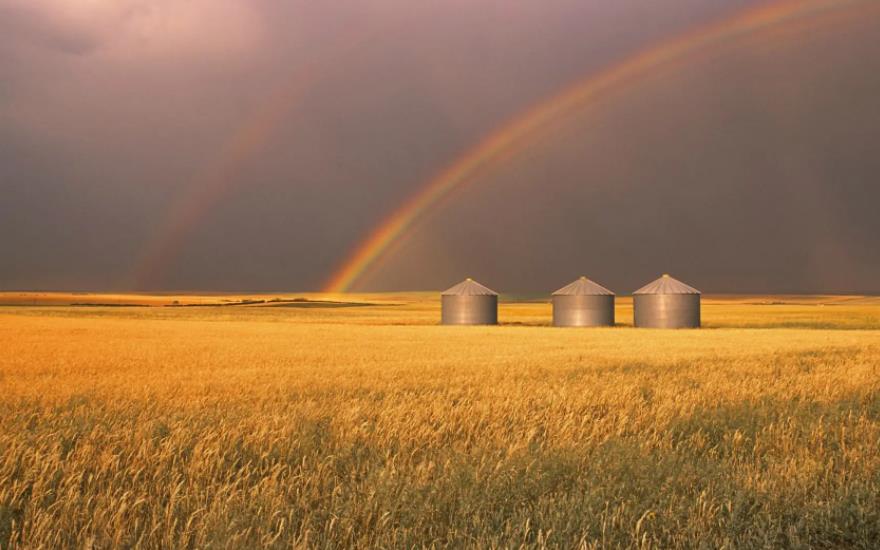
<point>212,421</point>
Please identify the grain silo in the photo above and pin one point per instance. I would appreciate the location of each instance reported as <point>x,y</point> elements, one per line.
<point>469,303</point>
<point>583,303</point>
<point>666,303</point>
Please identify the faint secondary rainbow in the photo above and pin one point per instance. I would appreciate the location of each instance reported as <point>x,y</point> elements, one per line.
<point>214,182</point>
<point>516,134</point>
<point>222,174</point>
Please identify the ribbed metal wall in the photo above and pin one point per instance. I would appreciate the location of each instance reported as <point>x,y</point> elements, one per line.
<point>583,311</point>
<point>667,310</point>
<point>469,310</point>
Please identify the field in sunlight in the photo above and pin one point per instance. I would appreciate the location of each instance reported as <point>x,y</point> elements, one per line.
<point>338,421</point>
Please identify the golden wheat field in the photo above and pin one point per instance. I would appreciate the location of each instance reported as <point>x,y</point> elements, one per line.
<point>328,422</point>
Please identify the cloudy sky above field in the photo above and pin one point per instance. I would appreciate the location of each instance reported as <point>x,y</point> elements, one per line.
<point>252,144</point>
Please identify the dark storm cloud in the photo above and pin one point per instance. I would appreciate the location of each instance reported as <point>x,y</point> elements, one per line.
<point>752,173</point>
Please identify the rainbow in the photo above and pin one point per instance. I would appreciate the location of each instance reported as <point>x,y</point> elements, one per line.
<point>522,130</point>
<point>222,174</point>
<point>213,183</point>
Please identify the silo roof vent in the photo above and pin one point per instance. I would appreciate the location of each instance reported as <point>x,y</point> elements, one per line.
<point>666,285</point>
<point>469,287</point>
<point>583,287</point>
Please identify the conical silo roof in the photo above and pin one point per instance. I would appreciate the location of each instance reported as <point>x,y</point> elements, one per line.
<point>583,287</point>
<point>667,285</point>
<point>469,287</point>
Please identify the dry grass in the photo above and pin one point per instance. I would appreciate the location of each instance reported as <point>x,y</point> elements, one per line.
<point>371,426</point>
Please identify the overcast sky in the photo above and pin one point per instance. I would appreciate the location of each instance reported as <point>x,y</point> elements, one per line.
<point>751,169</point>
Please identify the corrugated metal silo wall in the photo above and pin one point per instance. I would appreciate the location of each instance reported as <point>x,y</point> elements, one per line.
<point>583,311</point>
<point>667,310</point>
<point>469,310</point>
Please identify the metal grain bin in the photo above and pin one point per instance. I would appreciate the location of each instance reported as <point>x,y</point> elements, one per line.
<point>667,303</point>
<point>469,303</point>
<point>583,303</point>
